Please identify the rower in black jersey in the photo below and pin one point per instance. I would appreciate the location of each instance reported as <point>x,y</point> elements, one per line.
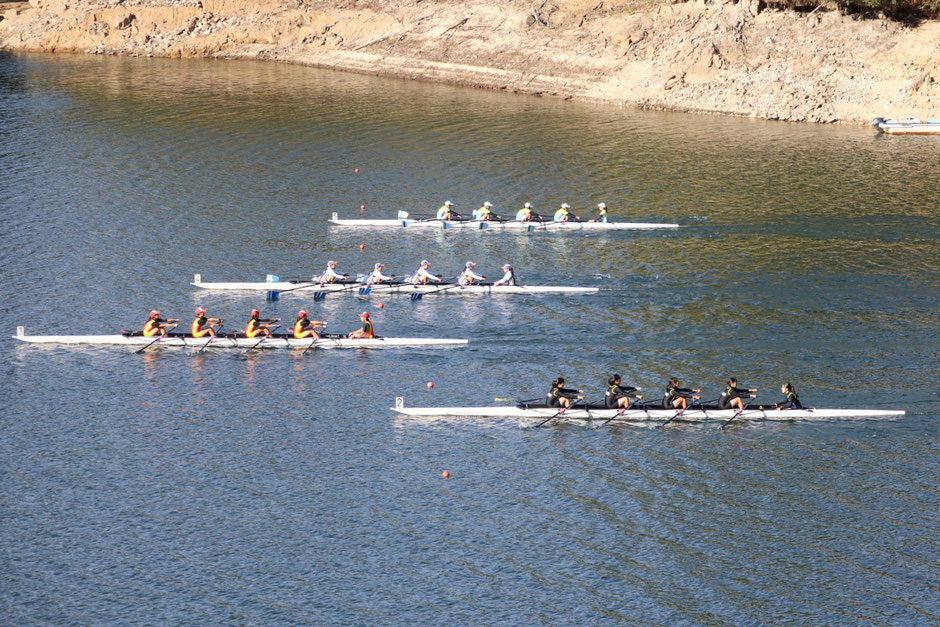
<point>732,397</point>
<point>618,396</point>
<point>792,401</point>
<point>676,397</point>
<point>560,396</point>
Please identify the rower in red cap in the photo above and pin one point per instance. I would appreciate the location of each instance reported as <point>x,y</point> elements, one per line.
<point>305,327</point>
<point>367,329</point>
<point>156,325</point>
<point>203,326</point>
<point>257,326</point>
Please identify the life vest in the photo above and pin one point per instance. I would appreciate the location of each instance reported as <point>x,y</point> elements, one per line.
<point>152,327</point>
<point>253,328</point>
<point>367,330</point>
<point>197,330</point>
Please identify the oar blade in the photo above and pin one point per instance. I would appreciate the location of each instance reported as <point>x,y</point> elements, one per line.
<point>273,296</point>
<point>417,296</point>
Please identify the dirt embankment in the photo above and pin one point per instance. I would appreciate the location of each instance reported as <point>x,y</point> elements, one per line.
<point>820,66</point>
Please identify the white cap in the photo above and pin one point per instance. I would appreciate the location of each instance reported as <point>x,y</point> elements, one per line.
<point>379,265</point>
<point>565,205</point>
<point>602,205</point>
<point>448,203</point>
<point>470,264</point>
<point>487,204</point>
<point>425,262</point>
<point>528,205</point>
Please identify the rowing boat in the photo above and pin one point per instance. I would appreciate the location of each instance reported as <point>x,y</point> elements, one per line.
<point>599,412</point>
<point>237,340</point>
<point>507,225</point>
<point>910,126</point>
<point>359,287</point>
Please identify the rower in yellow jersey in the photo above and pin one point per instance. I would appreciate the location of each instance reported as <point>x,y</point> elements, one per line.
<point>156,325</point>
<point>203,326</point>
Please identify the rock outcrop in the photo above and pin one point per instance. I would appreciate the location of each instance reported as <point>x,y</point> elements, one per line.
<point>820,66</point>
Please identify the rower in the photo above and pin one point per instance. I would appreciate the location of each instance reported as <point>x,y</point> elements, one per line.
<point>792,401</point>
<point>676,397</point>
<point>156,325</point>
<point>367,330</point>
<point>731,397</point>
<point>527,214</point>
<point>618,396</point>
<point>203,326</point>
<point>509,278</point>
<point>330,275</point>
<point>560,396</point>
<point>602,213</point>
<point>257,326</point>
<point>376,275</point>
<point>485,213</point>
<point>446,212</point>
<point>564,215</point>
<point>305,327</point>
<point>422,275</point>
<point>468,276</point>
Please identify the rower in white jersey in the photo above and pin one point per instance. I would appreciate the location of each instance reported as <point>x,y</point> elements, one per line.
<point>376,275</point>
<point>468,276</point>
<point>330,275</point>
<point>509,278</point>
<point>422,275</point>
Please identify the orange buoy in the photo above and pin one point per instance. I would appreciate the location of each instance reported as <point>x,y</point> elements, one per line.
<point>357,170</point>
<point>430,384</point>
<point>381,305</point>
<point>445,474</point>
<point>362,246</point>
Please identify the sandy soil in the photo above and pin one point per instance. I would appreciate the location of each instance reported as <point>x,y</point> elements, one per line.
<point>818,66</point>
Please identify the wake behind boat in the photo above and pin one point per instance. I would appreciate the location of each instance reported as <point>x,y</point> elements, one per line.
<point>503,225</point>
<point>363,288</point>
<point>237,340</point>
<point>589,413</point>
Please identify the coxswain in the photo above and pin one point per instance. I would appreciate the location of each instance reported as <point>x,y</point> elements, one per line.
<point>676,397</point>
<point>560,396</point>
<point>330,275</point>
<point>601,213</point>
<point>527,214</point>
<point>564,215</point>
<point>305,327</point>
<point>203,326</point>
<point>422,275</point>
<point>732,397</point>
<point>792,401</point>
<point>509,278</point>
<point>446,212</point>
<point>367,330</point>
<point>468,276</point>
<point>156,325</point>
<point>257,326</point>
<point>618,396</point>
<point>376,275</point>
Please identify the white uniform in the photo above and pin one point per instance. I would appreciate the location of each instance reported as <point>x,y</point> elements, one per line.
<point>508,279</point>
<point>422,275</point>
<point>329,275</point>
<point>376,276</point>
<point>467,275</point>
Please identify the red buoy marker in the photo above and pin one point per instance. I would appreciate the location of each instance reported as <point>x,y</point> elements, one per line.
<point>430,384</point>
<point>357,170</point>
<point>446,474</point>
<point>381,305</point>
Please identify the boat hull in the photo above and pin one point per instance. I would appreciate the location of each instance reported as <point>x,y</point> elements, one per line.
<point>508,225</point>
<point>909,126</point>
<point>354,287</point>
<point>239,342</point>
<point>641,415</point>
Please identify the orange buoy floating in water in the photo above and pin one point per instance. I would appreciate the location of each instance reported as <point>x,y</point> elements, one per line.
<point>430,384</point>
<point>357,170</point>
<point>381,305</point>
<point>362,246</point>
<point>446,474</point>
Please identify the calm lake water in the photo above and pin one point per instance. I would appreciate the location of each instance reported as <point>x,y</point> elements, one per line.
<point>276,488</point>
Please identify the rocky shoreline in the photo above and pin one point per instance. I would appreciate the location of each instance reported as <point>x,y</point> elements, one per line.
<point>817,66</point>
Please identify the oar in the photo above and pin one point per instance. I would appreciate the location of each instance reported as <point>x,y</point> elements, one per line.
<point>420,295</point>
<point>276,294</point>
<point>367,289</point>
<point>315,338</point>
<point>560,412</point>
<point>159,337</point>
<point>681,411</point>
<point>622,411</point>
<point>736,414</point>
<point>263,338</point>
